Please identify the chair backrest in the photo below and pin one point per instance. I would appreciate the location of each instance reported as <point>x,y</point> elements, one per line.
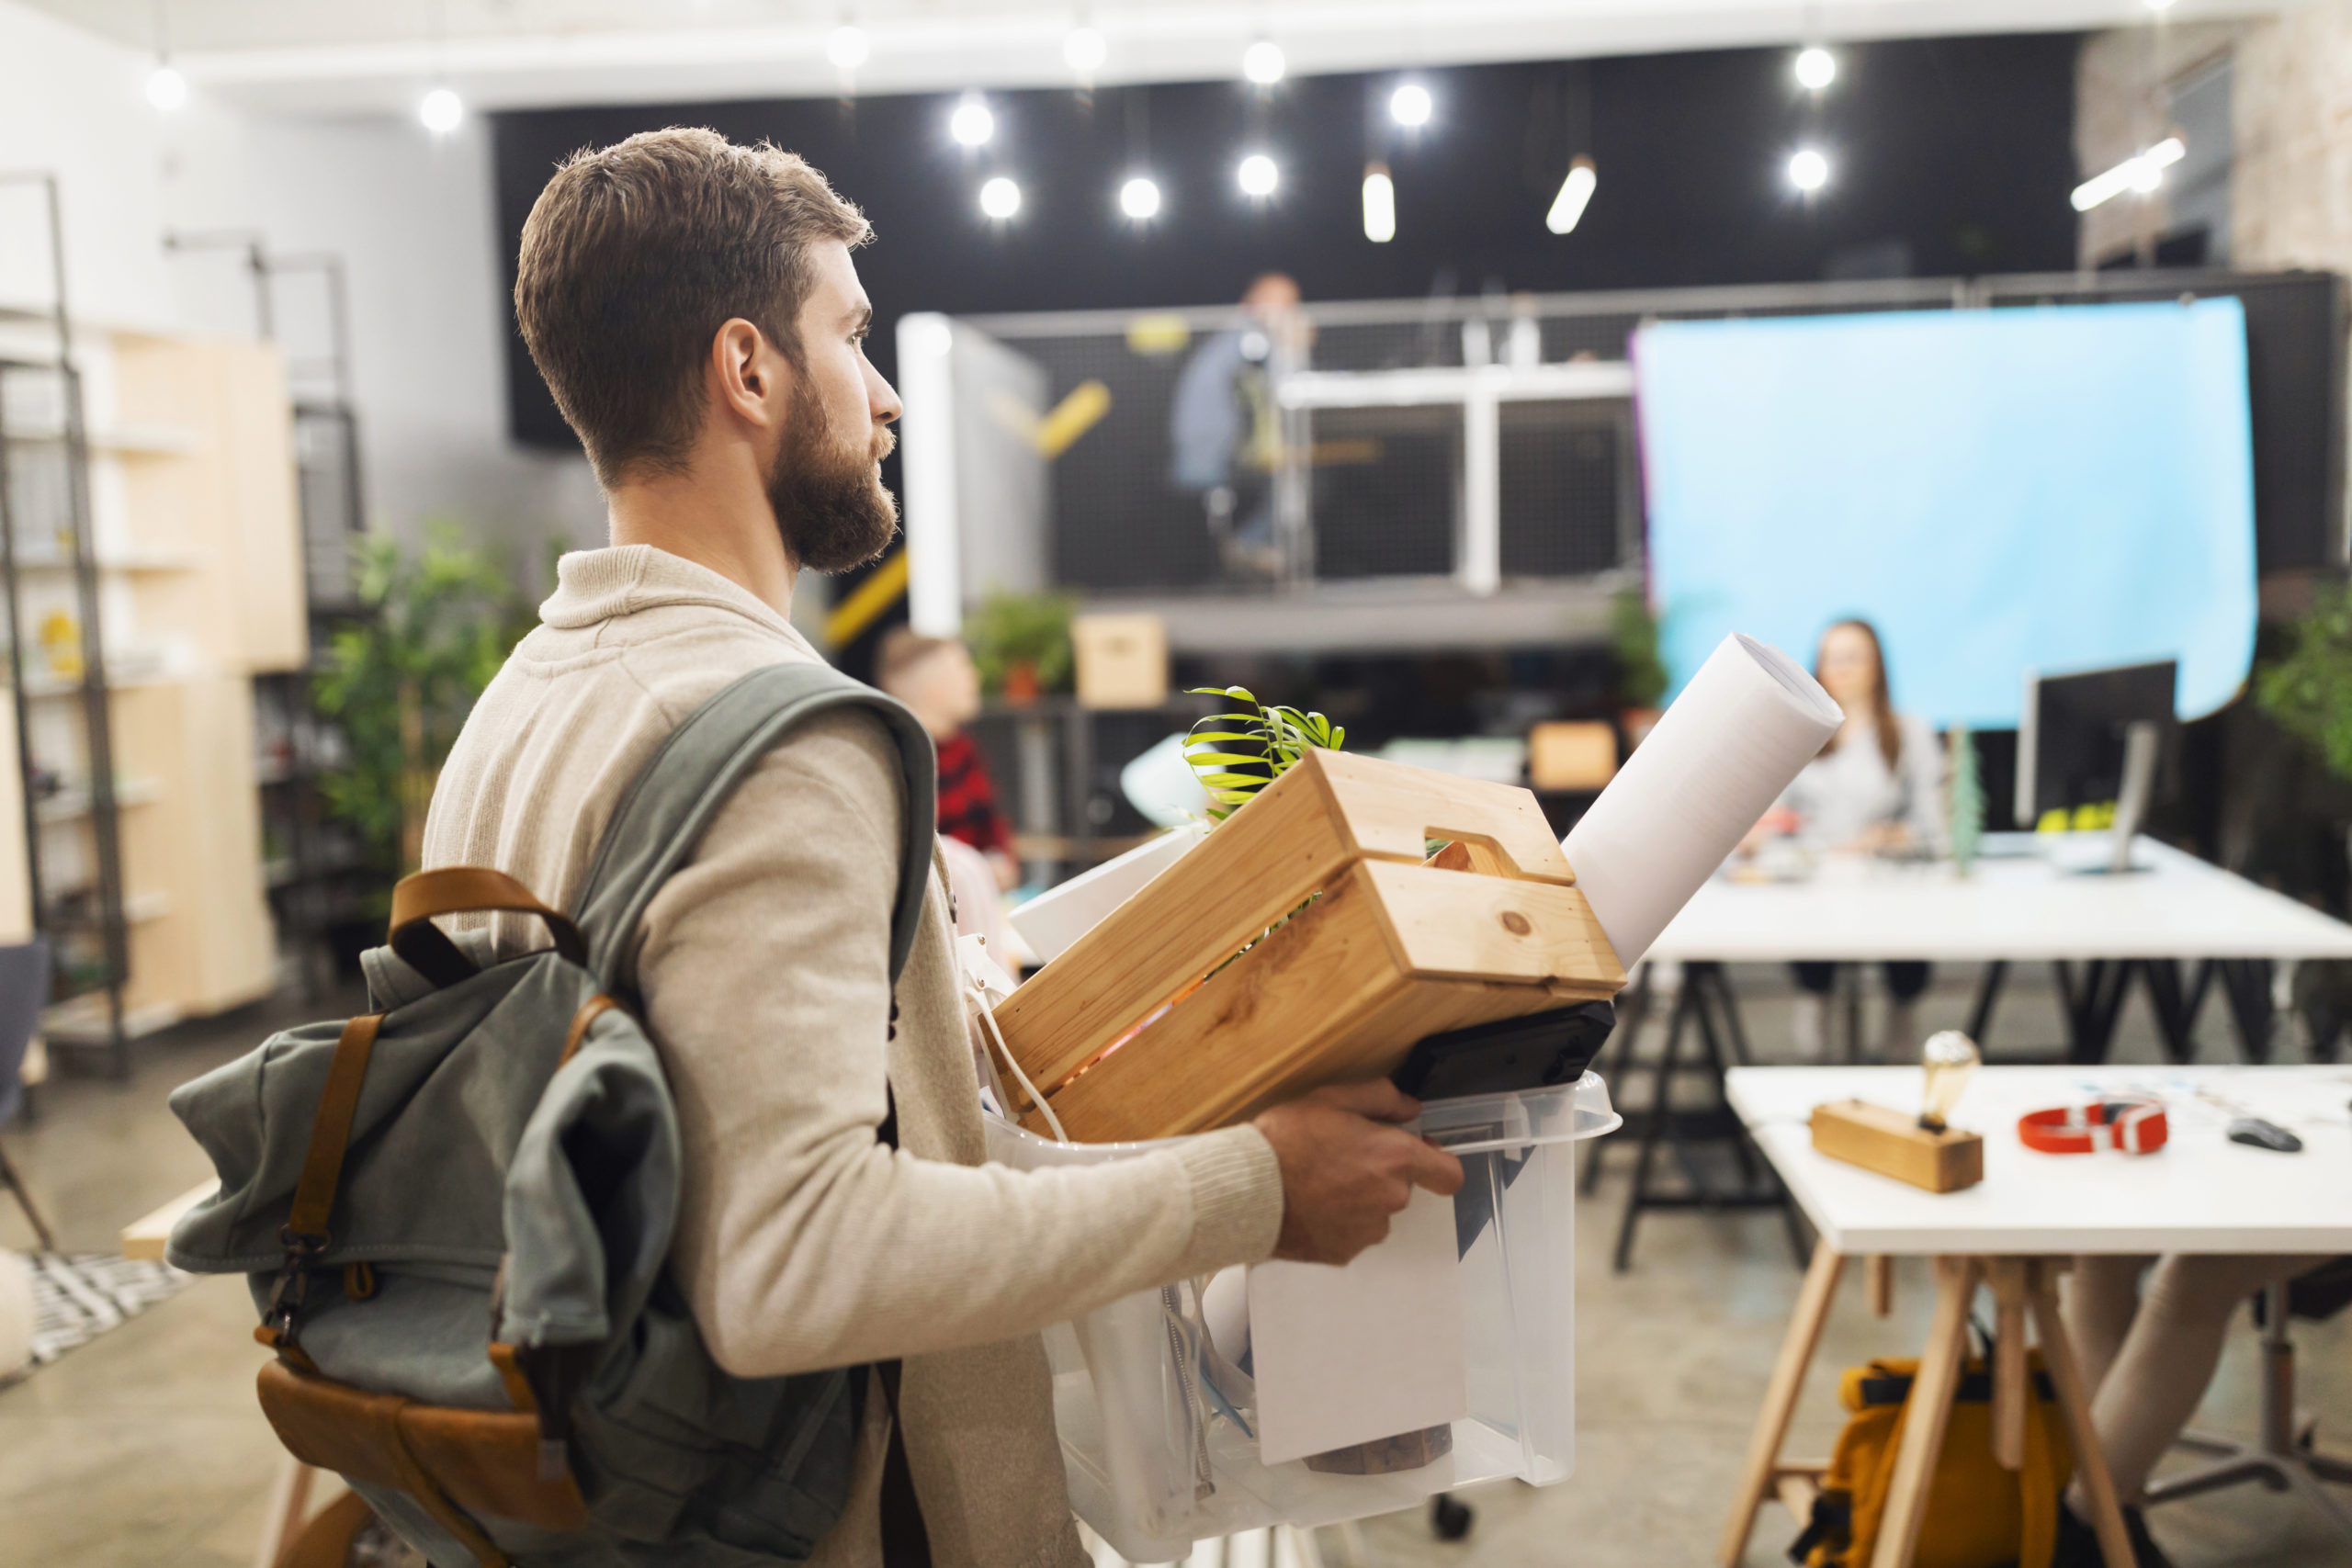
<point>24,991</point>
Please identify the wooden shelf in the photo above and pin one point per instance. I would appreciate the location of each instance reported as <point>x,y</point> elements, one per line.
<point>72,804</point>
<point>124,440</point>
<point>123,562</point>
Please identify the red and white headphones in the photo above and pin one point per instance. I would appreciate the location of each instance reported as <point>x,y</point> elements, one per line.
<point>2133,1123</point>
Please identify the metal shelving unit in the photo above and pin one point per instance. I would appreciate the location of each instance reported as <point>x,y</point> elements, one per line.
<point>309,881</point>
<point>42,428</point>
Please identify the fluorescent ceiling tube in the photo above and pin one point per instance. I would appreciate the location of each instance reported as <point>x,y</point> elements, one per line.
<point>2143,172</point>
<point>1574,192</point>
<point>1379,204</point>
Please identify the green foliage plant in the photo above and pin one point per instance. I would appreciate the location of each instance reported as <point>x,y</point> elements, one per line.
<point>1640,673</point>
<point>1013,629</point>
<point>400,680</point>
<point>1237,754</point>
<point>2309,689</point>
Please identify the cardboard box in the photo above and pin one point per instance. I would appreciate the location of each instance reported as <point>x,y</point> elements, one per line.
<point>1122,660</point>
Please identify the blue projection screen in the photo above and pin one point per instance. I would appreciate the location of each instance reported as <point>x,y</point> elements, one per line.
<point>1998,490</point>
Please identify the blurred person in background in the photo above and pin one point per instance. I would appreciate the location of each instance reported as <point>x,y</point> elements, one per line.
<point>1875,789</point>
<point>935,678</point>
<point>1224,433</point>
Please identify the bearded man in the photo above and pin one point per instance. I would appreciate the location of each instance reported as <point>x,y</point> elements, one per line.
<point>694,308</point>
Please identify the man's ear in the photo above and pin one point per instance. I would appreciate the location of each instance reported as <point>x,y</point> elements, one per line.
<point>749,378</point>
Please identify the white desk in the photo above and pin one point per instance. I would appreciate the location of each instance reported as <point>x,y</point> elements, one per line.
<point>2200,1192</point>
<point>2145,924</point>
<point>2012,904</point>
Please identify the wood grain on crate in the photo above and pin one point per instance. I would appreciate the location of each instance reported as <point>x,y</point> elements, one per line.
<point>1293,840</point>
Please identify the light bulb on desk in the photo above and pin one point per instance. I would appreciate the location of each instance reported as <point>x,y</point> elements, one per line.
<point>1950,1059</point>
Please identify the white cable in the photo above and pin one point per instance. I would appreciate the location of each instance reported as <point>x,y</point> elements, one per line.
<point>988,1022</point>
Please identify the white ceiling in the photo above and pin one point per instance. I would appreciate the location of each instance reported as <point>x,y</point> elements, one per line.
<point>339,57</point>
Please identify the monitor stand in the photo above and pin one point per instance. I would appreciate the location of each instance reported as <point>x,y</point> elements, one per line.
<point>2111,854</point>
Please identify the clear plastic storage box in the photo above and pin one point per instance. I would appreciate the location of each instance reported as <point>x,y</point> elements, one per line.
<point>1157,1444</point>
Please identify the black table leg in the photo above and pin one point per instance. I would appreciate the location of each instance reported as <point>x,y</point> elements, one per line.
<point>1988,997</point>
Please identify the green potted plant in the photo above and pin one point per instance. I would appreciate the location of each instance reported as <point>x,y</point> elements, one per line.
<point>2309,689</point>
<point>1020,643</point>
<point>400,678</point>
<point>1640,673</point>
<point>1235,755</point>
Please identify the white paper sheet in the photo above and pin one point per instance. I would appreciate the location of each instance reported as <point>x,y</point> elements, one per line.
<point>1743,729</point>
<point>1346,1356</point>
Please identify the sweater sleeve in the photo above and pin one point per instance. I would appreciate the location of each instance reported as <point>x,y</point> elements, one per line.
<point>803,1241</point>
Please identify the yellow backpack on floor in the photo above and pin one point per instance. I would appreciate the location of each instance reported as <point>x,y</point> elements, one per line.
<point>1979,1515</point>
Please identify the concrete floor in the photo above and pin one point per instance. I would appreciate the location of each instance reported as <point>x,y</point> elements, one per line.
<point>145,1448</point>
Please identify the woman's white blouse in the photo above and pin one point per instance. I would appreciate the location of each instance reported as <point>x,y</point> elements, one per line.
<point>1843,794</point>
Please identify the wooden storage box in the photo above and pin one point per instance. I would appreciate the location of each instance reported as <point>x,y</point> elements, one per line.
<point>1142,1029</point>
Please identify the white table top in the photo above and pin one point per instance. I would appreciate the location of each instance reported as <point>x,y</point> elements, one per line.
<point>2016,906</point>
<point>2199,1193</point>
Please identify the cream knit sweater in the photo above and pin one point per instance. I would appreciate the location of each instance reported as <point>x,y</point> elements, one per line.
<point>803,1241</point>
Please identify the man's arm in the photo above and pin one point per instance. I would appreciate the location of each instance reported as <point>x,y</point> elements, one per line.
<point>806,1243</point>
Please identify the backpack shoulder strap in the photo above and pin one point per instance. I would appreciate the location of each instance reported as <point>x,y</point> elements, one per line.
<point>669,806</point>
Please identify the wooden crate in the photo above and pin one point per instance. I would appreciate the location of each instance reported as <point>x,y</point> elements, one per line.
<point>1390,950</point>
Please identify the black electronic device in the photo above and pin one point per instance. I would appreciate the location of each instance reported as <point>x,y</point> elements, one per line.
<point>2254,1133</point>
<point>2092,736</point>
<point>1534,1051</point>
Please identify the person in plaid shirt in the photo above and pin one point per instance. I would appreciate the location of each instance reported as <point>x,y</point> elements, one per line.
<point>934,677</point>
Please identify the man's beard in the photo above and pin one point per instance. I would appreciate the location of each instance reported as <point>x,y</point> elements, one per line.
<point>830,504</point>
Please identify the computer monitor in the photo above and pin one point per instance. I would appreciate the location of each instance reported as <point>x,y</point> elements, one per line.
<point>2076,742</point>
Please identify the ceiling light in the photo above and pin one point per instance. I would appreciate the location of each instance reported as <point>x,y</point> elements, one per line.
<point>166,88</point>
<point>971,124</point>
<point>2159,5</point>
<point>1139,198</point>
<point>1410,105</point>
<point>1574,192</point>
<point>1379,204</point>
<point>440,111</point>
<point>1263,62</point>
<point>1000,199</point>
<point>1816,68</point>
<point>1808,170</point>
<point>2143,172</point>
<point>1257,176</point>
<point>1083,51</point>
<point>848,47</point>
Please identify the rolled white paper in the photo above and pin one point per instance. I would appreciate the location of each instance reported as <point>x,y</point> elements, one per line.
<point>1743,729</point>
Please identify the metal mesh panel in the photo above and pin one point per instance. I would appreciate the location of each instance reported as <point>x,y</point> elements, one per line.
<point>1119,521</point>
<point>1562,465</point>
<point>1386,483</point>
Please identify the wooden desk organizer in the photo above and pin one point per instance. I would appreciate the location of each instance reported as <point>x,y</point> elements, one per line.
<point>1894,1145</point>
<point>1143,1028</point>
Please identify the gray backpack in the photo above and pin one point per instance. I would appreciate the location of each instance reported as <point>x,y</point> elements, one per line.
<point>455,1214</point>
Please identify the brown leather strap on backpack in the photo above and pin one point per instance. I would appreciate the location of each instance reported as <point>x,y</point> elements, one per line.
<point>465,890</point>
<point>305,1236</point>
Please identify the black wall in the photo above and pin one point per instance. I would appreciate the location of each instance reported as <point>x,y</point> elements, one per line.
<point>1951,154</point>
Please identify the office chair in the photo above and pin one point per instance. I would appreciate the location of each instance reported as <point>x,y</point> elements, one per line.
<point>2283,1457</point>
<point>24,991</point>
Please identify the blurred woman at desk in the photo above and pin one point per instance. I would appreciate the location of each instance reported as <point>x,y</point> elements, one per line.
<point>1875,789</point>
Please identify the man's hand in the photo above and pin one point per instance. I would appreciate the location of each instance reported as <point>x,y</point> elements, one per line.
<point>1346,1168</point>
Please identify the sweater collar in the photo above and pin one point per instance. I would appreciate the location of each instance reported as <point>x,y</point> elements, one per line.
<point>599,585</point>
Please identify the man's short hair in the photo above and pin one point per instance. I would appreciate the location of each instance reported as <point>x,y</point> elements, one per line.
<point>902,649</point>
<point>636,254</point>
